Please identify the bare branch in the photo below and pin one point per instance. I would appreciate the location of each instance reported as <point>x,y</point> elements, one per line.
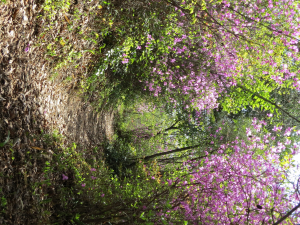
<point>267,100</point>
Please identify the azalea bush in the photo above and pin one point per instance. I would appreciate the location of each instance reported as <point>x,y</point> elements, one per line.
<point>245,186</point>
<point>218,49</point>
<point>235,45</point>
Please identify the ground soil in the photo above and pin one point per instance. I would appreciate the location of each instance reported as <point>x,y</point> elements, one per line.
<point>32,103</point>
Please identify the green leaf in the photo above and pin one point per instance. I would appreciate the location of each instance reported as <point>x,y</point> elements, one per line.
<point>142,216</point>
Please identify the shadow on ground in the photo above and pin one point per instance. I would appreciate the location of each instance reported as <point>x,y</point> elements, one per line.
<point>30,106</point>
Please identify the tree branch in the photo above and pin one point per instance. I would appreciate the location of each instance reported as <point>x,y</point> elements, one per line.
<point>147,158</point>
<point>287,215</point>
<point>169,128</point>
<point>267,100</point>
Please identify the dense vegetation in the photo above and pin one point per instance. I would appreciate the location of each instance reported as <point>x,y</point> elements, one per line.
<point>206,94</point>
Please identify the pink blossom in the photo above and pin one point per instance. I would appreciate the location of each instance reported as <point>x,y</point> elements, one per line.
<point>64,177</point>
<point>277,128</point>
<point>288,131</point>
<point>27,48</point>
<point>125,60</point>
<point>248,131</point>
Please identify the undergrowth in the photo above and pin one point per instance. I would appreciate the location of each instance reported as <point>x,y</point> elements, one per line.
<point>73,189</point>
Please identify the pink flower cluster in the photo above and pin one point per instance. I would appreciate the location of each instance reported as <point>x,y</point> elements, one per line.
<point>243,187</point>
<point>208,64</point>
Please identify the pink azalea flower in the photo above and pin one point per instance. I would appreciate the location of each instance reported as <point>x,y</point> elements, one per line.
<point>64,177</point>
<point>125,60</point>
<point>27,48</point>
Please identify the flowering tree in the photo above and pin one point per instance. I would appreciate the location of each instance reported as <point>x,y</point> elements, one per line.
<point>240,188</point>
<point>220,44</point>
<point>241,184</point>
<point>194,52</point>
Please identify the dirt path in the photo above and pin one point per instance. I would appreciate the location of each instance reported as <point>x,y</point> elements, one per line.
<point>30,103</point>
<point>74,118</point>
<point>28,98</point>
